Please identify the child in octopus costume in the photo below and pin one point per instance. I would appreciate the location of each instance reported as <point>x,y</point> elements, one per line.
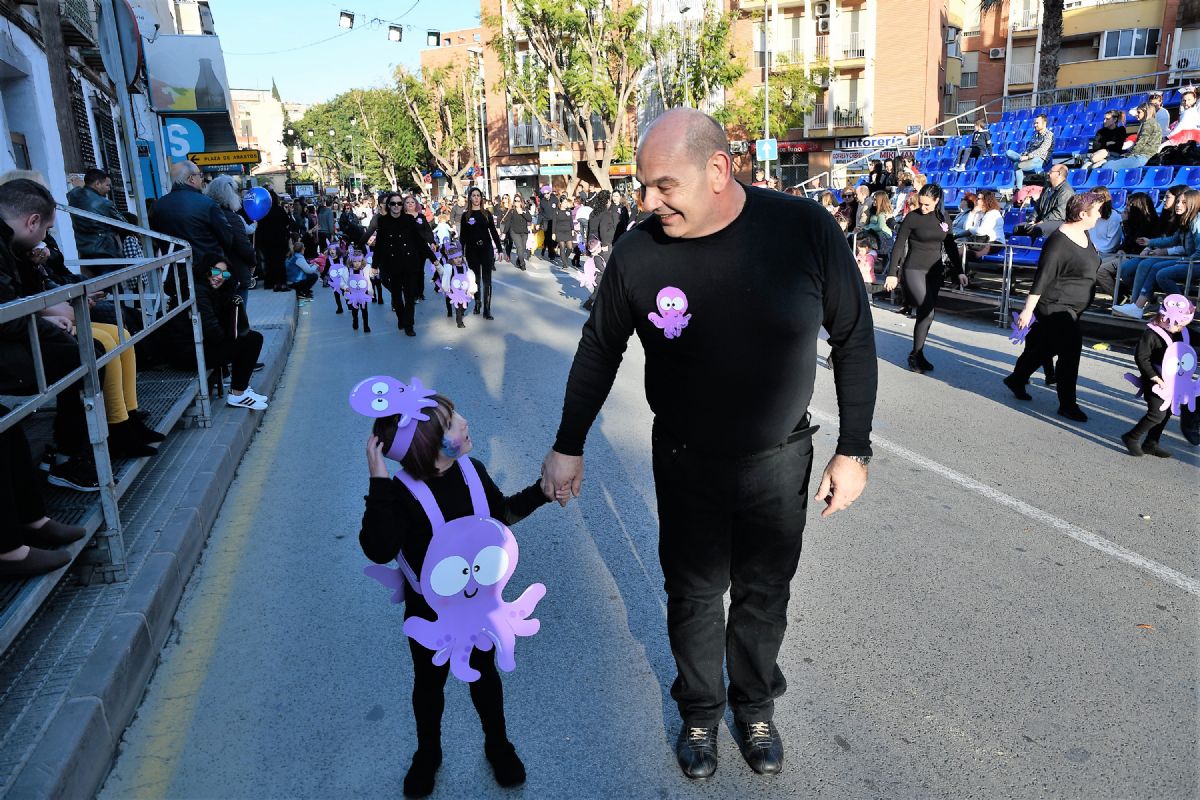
<point>338,274</point>
<point>443,519</point>
<point>358,290</point>
<point>457,284</point>
<point>593,271</point>
<point>1166,360</point>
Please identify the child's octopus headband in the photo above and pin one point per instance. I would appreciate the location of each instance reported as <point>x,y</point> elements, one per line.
<point>384,396</point>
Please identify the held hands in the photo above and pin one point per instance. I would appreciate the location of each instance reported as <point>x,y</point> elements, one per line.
<point>562,477</point>
<point>375,463</point>
<point>842,482</point>
<point>890,283</point>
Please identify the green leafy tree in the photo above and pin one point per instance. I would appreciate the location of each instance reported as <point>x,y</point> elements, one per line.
<point>440,103</point>
<point>591,52</point>
<point>371,134</point>
<point>690,61</point>
<point>1052,31</point>
<point>792,94</point>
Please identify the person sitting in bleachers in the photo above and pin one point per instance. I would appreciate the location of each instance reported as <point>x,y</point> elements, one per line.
<point>829,202</point>
<point>1168,220</point>
<point>1184,245</point>
<point>879,215</point>
<point>1189,118</point>
<point>1106,233</point>
<point>1050,209</point>
<point>981,142</point>
<point>1036,153</point>
<point>1148,140</point>
<point>966,206</point>
<point>1162,117</point>
<point>984,227</point>
<point>1109,139</point>
<point>1139,220</point>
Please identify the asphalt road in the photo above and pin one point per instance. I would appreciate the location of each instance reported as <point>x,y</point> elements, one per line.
<point>1010,611</point>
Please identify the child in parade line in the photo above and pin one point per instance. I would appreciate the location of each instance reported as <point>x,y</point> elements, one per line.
<point>597,259</point>
<point>301,275</point>
<point>866,253</point>
<point>397,526</point>
<point>1169,327</point>
<point>336,274</point>
<point>442,232</point>
<point>457,284</point>
<point>358,289</point>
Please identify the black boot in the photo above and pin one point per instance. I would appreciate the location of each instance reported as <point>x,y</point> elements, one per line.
<point>1017,388</point>
<point>506,764</point>
<point>487,302</point>
<point>422,774</point>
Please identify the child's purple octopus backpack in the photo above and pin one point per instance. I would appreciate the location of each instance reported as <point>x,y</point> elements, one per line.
<point>469,560</point>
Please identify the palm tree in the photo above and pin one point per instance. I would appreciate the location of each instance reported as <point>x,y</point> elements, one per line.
<point>1052,28</point>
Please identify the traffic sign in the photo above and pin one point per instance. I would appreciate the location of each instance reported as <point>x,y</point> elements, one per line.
<point>766,149</point>
<point>225,157</point>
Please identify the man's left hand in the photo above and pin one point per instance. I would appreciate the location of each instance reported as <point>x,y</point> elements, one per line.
<point>842,482</point>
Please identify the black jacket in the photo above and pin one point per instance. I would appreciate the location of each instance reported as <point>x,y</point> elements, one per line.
<point>1051,206</point>
<point>20,278</point>
<point>95,239</point>
<point>187,214</point>
<point>271,236</point>
<point>1111,140</point>
<point>517,223</point>
<point>240,254</point>
<point>603,225</point>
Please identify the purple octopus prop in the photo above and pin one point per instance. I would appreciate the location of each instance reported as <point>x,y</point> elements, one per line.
<point>339,274</point>
<point>1180,386</point>
<point>1019,333</point>
<point>587,278</point>
<point>673,303</point>
<point>358,290</point>
<point>459,293</point>
<point>383,396</point>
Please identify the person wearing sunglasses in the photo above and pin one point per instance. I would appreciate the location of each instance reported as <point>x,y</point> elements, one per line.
<point>399,255</point>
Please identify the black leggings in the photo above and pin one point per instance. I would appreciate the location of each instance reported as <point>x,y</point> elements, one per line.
<point>366,315</point>
<point>922,289</point>
<point>240,353</point>
<point>482,262</point>
<point>429,698</point>
<point>1154,422</point>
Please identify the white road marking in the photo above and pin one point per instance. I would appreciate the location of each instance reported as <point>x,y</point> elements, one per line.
<point>1095,541</point>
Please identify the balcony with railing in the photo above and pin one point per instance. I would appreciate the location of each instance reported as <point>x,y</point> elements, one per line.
<point>1188,59</point>
<point>821,49</point>
<point>1019,74</point>
<point>820,117</point>
<point>852,46</point>
<point>1025,19</point>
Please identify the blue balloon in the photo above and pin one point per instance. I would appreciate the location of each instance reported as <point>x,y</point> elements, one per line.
<point>256,202</point>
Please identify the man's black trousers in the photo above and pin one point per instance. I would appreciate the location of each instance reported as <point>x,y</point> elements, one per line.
<point>733,524</point>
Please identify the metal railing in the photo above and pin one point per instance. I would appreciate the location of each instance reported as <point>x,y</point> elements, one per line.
<point>854,45</point>
<point>821,48</point>
<point>1025,19</point>
<point>1021,73</point>
<point>142,283</point>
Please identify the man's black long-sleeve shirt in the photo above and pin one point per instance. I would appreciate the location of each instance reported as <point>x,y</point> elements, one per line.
<point>738,378</point>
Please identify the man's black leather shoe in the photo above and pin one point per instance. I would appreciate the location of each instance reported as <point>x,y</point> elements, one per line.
<point>696,752</point>
<point>761,746</point>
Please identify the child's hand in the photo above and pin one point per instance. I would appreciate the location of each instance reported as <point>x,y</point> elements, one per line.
<point>1158,380</point>
<point>375,462</point>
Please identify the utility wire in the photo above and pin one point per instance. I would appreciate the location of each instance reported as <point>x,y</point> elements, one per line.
<point>373,24</point>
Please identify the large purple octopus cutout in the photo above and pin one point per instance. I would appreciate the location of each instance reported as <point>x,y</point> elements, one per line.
<point>672,302</point>
<point>467,565</point>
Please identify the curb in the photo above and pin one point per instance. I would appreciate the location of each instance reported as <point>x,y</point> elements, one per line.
<point>76,750</point>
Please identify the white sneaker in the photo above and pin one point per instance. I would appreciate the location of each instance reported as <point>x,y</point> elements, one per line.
<point>245,401</point>
<point>1129,310</point>
<point>249,392</point>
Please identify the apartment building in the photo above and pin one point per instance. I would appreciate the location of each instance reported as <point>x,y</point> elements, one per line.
<point>887,64</point>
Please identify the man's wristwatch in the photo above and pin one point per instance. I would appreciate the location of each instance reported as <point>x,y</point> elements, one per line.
<point>864,460</point>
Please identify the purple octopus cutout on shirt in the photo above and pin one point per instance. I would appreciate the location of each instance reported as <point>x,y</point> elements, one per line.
<point>1019,333</point>
<point>358,290</point>
<point>460,288</point>
<point>587,278</point>
<point>339,273</point>
<point>673,304</point>
<point>1181,386</point>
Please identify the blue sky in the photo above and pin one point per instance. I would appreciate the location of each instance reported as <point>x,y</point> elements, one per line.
<point>252,31</point>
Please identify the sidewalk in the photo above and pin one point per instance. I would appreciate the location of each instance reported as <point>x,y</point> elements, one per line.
<point>71,683</point>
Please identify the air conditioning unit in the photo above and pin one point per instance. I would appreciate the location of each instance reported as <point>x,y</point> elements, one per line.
<point>996,52</point>
<point>823,25</point>
<point>820,9</point>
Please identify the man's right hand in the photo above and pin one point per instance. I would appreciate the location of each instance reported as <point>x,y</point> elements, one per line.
<point>562,476</point>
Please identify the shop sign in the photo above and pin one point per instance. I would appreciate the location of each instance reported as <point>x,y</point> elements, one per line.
<point>619,170</point>
<point>556,157</point>
<point>517,171</point>
<point>799,147</point>
<point>872,142</point>
<point>558,170</point>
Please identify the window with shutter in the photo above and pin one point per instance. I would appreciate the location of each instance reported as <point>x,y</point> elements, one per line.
<point>83,131</point>
<point>112,154</point>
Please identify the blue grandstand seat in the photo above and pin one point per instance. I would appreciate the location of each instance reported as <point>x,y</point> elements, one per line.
<point>1012,218</point>
<point>1119,198</point>
<point>1154,197</point>
<point>1024,114</point>
<point>1024,257</point>
<point>1075,109</point>
<point>1137,100</point>
<point>1004,179</point>
<point>952,198</point>
<point>1078,178</point>
<point>1171,98</point>
<point>1156,178</point>
<point>1127,178</point>
<point>1102,177</point>
<point>1189,176</point>
<point>1097,107</point>
<point>1008,116</point>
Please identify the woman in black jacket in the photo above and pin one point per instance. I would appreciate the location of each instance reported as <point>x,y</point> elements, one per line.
<point>399,240</point>
<point>923,236</point>
<point>602,224</point>
<point>516,230</point>
<point>478,234</point>
<point>240,255</point>
<point>272,239</point>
